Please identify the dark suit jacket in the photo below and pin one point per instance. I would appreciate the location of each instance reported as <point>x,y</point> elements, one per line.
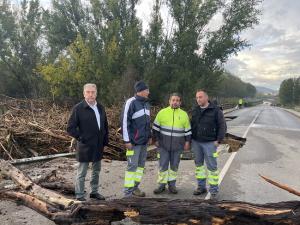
<point>83,126</point>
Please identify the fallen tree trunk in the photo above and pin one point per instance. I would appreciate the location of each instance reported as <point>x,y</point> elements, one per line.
<point>66,211</point>
<point>165,211</point>
<point>61,187</point>
<point>31,202</point>
<point>35,190</point>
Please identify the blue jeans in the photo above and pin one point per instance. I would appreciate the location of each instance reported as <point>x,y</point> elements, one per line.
<point>206,152</point>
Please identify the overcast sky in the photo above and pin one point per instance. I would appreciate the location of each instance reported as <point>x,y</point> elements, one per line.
<point>275,52</point>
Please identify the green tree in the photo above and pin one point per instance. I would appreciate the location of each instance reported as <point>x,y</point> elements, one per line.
<point>225,41</point>
<point>102,41</point>
<point>297,91</point>
<point>20,51</point>
<point>63,21</point>
<point>250,90</point>
<point>122,44</point>
<point>67,75</point>
<point>192,57</point>
<point>152,53</point>
<point>179,64</point>
<point>286,92</point>
<point>232,86</point>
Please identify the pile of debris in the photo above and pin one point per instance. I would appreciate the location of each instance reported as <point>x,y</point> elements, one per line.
<point>30,128</point>
<point>37,127</point>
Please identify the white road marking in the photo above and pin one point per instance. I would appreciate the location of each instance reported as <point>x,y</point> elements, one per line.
<point>271,127</point>
<point>232,156</point>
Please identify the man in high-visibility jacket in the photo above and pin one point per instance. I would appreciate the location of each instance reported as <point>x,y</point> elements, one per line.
<point>172,135</point>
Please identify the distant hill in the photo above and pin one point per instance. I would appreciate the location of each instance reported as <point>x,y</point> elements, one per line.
<point>265,90</point>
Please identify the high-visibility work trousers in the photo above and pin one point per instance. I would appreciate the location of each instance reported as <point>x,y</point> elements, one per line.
<point>206,152</point>
<point>136,158</point>
<point>168,166</point>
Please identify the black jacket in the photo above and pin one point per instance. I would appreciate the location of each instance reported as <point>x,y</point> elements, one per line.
<point>135,120</point>
<point>208,124</point>
<point>83,126</point>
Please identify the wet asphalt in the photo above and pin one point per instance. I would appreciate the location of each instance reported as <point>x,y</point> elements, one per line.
<point>272,149</point>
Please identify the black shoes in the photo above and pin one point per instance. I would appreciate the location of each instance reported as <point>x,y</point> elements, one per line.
<point>200,191</point>
<point>172,189</point>
<point>214,196</point>
<point>159,190</point>
<point>97,196</point>
<point>137,192</point>
<point>82,199</point>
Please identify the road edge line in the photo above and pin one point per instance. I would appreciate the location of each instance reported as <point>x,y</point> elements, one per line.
<point>230,160</point>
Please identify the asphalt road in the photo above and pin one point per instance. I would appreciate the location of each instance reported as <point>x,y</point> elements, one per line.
<point>272,149</point>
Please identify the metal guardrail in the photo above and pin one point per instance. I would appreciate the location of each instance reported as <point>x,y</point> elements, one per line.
<point>228,105</point>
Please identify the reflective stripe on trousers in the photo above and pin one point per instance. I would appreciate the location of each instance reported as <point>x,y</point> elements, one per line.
<point>136,158</point>
<point>213,177</point>
<point>167,176</point>
<point>200,172</point>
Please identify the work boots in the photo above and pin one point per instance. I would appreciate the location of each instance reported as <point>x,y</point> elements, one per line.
<point>200,191</point>
<point>214,196</point>
<point>172,189</point>
<point>137,192</point>
<point>159,190</point>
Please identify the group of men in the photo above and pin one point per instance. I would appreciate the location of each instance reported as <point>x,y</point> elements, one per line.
<point>172,133</point>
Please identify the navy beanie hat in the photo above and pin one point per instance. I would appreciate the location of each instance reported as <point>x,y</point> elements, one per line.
<point>140,86</point>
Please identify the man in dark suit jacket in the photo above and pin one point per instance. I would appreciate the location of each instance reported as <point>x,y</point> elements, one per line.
<point>88,125</point>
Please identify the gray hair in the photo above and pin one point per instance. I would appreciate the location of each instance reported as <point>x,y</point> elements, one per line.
<point>89,85</point>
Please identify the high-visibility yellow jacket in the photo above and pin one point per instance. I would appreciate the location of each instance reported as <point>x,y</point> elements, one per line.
<point>171,128</point>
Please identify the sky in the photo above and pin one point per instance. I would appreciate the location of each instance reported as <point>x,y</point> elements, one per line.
<point>275,51</point>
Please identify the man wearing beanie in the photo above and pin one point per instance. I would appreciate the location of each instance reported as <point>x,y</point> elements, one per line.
<point>136,135</point>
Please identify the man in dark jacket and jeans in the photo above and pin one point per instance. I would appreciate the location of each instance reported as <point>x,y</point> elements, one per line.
<point>136,135</point>
<point>208,130</point>
<point>88,125</point>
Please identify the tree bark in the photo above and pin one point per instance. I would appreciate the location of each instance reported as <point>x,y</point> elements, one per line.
<point>66,211</point>
<point>165,211</point>
<point>35,190</point>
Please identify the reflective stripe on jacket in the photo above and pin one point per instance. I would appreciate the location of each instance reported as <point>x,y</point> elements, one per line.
<point>172,129</point>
